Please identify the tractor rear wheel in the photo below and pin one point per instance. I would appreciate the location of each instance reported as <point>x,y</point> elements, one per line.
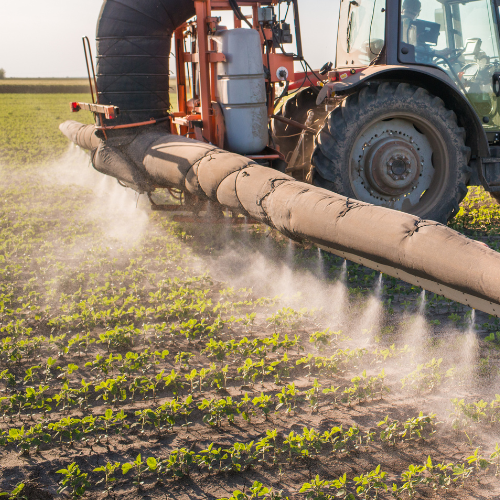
<point>397,146</point>
<point>496,197</point>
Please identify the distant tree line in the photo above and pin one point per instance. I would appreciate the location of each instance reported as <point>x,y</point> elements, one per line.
<point>2,73</point>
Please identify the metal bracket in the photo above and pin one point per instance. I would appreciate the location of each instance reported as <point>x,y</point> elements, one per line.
<point>110,112</point>
<point>481,168</point>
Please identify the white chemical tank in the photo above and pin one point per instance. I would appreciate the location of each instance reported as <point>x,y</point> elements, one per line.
<point>241,90</point>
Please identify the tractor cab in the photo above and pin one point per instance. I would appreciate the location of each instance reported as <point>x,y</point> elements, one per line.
<point>461,38</point>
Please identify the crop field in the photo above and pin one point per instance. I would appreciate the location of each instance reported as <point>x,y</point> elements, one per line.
<point>143,358</point>
<point>43,85</point>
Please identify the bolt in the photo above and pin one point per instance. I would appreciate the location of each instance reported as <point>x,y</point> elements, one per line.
<point>413,188</point>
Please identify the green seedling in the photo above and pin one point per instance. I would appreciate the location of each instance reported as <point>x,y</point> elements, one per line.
<point>74,481</point>
<point>140,468</point>
<point>109,471</point>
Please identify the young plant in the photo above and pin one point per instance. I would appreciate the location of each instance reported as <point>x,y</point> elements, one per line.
<point>495,459</point>
<point>369,485</point>
<point>264,402</point>
<point>257,490</point>
<point>140,468</point>
<point>411,478</point>
<point>288,398</point>
<point>315,490</point>
<point>312,396</point>
<point>16,493</point>
<point>109,471</point>
<point>157,466</point>
<point>74,480</point>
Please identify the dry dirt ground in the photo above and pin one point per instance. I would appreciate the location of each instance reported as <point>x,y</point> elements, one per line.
<point>105,307</point>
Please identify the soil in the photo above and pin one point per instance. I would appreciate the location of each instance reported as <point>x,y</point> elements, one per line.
<point>38,471</point>
<point>242,267</point>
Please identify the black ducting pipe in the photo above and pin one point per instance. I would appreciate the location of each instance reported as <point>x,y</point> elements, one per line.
<point>133,51</point>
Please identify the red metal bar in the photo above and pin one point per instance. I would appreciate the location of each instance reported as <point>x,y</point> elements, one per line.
<point>255,16</point>
<point>304,80</point>
<point>181,70</point>
<point>263,157</point>
<point>233,221</point>
<point>203,11</point>
<point>133,125</point>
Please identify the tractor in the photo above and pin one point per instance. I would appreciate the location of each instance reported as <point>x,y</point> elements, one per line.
<point>406,121</point>
<point>409,116</point>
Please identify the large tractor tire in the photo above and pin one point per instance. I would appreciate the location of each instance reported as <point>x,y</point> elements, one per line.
<point>296,108</point>
<point>398,146</point>
<point>495,197</point>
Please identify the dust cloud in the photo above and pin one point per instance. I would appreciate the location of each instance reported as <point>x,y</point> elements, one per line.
<point>246,267</point>
<point>241,263</point>
<point>122,217</point>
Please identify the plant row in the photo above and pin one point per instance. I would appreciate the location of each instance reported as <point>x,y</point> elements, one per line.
<point>438,476</point>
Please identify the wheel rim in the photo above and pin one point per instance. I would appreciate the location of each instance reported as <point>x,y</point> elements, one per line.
<point>400,162</point>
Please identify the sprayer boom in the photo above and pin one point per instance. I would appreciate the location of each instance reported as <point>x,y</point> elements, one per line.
<point>226,82</point>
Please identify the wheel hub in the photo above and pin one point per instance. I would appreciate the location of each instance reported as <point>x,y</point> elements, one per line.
<point>392,166</point>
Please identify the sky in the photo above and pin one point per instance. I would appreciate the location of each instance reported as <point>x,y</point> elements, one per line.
<point>43,38</point>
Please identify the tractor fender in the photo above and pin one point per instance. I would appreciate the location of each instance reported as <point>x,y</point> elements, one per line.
<point>435,81</point>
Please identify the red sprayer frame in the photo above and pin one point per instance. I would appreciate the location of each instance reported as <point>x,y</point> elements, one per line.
<point>200,116</point>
